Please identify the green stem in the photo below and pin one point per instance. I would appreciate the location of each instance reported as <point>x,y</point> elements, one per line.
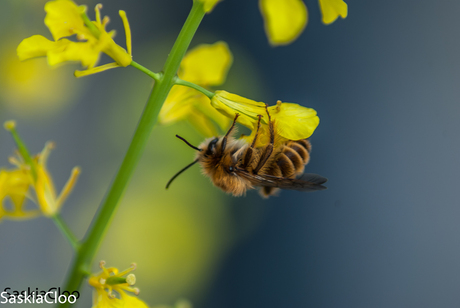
<point>181,82</point>
<point>60,223</point>
<point>84,257</point>
<point>22,148</point>
<point>155,76</point>
<point>194,86</point>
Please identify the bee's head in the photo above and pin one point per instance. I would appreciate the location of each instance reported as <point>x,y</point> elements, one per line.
<point>211,148</point>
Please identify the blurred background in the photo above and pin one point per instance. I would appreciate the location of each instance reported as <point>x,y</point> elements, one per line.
<point>385,234</point>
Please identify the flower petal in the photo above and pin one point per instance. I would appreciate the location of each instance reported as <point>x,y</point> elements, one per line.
<point>132,301</point>
<point>284,20</point>
<point>294,122</point>
<point>102,300</point>
<point>332,9</point>
<point>229,104</point>
<point>207,65</point>
<point>37,46</point>
<point>64,19</point>
<point>178,104</point>
<point>206,119</point>
<point>72,51</point>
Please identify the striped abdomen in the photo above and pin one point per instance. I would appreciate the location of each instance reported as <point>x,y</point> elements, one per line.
<point>289,162</point>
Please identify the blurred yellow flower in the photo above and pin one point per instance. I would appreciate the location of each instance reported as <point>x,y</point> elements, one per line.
<point>64,18</point>
<point>35,173</point>
<point>286,19</point>
<point>205,65</point>
<point>14,184</point>
<point>30,89</point>
<point>110,280</point>
<point>291,121</point>
<point>332,9</point>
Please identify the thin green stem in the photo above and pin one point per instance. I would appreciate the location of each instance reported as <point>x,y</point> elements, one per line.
<point>155,76</point>
<point>61,224</point>
<point>22,148</point>
<point>85,255</point>
<point>194,86</point>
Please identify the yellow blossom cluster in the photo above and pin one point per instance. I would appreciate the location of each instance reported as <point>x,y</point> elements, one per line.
<point>31,174</point>
<point>65,19</point>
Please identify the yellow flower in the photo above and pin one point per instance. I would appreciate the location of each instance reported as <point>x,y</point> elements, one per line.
<point>332,9</point>
<point>14,184</point>
<point>291,121</point>
<point>286,19</point>
<point>205,65</point>
<point>64,18</point>
<point>35,173</point>
<point>110,280</point>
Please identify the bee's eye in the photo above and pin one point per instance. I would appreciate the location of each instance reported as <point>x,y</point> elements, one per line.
<point>212,146</point>
<point>230,169</point>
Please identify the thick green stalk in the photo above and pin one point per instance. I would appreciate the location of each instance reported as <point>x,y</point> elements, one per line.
<point>89,246</point>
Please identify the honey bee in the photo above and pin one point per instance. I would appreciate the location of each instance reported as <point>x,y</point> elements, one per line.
<point>235,166</point>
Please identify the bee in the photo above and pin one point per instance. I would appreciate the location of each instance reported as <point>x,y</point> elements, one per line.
<point>235,166</point>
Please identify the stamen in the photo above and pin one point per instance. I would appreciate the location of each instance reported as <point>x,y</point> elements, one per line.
<point>278,105</point>
<point>124,18</point>
<point>68,186</point>
<point>9,125</point>
<point>111,295</point>
<point>15,161</point>
<point>43,158</point>
<point>105,21</point>
<point>102,264</point>
<point>98,12</point>
<point>129,269</point>
<point>96,69</point>
<point>102,281</point>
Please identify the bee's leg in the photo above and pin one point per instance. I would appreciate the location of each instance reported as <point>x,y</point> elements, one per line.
<point>224,140</point>
<point>250,149</point>
<point>269,148</point>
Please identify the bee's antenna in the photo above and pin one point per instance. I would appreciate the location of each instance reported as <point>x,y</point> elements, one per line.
<point>178,173</point>
<point>192,146</point>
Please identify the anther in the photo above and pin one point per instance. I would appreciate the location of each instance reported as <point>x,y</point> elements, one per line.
<point>105,20</point>
<point>9,125</point>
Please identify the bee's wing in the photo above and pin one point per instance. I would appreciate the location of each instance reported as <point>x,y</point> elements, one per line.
<point>308,182</point>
